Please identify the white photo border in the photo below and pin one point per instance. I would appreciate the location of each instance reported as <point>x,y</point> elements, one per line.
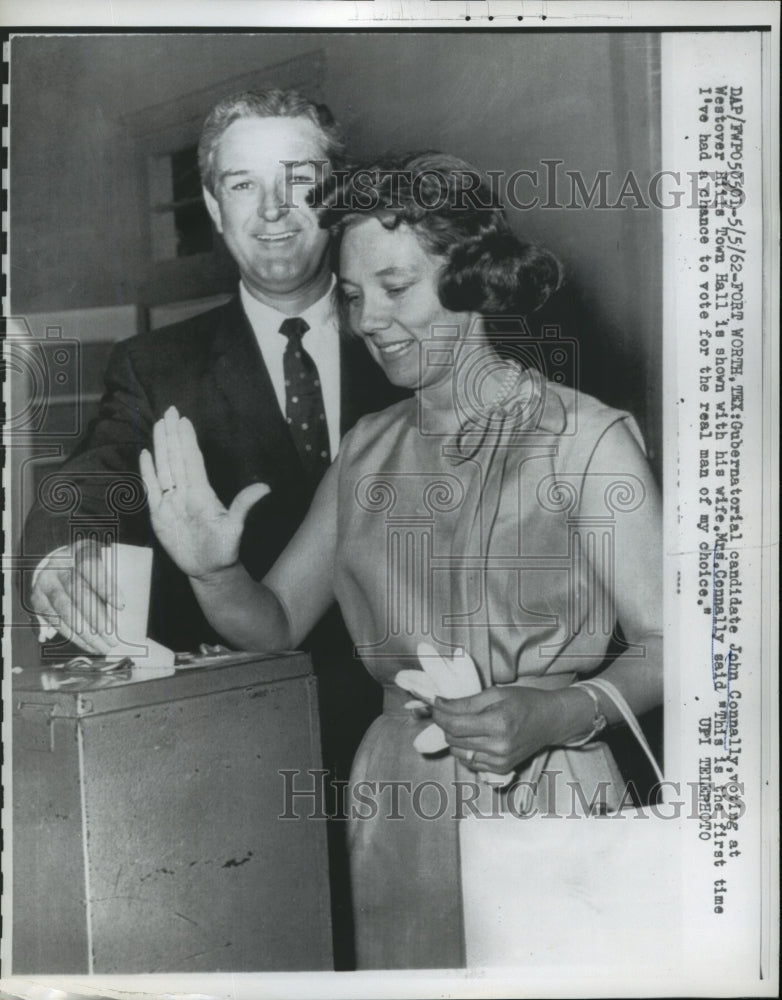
<point>674,19</point>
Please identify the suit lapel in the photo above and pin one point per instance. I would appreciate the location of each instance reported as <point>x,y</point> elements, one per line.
<point>248,424</point>
<point>259,438</point>
<point>364,386</point>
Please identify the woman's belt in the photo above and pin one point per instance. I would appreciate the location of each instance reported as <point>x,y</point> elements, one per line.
<point>395,698</point>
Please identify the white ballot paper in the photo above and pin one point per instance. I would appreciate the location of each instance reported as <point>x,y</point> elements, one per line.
<point>130,570</point>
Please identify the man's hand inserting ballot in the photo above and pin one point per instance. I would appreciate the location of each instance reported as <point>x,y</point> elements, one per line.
<point>75,593</point>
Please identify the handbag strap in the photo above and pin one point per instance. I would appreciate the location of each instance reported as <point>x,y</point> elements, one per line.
<point>611,692</point>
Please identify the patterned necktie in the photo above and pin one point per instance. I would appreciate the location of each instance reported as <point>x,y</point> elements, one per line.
<point>304,409</point>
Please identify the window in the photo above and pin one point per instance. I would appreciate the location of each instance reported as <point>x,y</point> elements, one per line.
<point>179,222</point>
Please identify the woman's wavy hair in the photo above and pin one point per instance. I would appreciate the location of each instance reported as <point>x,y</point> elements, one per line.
<point>456,215</point>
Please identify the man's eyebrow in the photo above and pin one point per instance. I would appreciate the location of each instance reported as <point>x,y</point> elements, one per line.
<point>232,173</point>
<point>243,172</point>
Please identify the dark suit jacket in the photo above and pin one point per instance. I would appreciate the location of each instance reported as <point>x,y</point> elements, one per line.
<point>211,369</point>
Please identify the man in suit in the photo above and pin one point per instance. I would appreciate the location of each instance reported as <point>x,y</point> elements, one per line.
<point>265,379</point>
<point>226,370</point>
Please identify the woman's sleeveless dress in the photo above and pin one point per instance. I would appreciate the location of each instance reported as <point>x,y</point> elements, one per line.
<point>473,543</point>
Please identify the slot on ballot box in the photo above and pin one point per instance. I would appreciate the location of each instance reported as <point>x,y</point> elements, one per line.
<point>146,829</point>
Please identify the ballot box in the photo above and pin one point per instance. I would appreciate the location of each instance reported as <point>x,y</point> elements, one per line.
<point>146,819</point>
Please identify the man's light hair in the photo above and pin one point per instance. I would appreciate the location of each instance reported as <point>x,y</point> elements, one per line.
<point>271,103</point>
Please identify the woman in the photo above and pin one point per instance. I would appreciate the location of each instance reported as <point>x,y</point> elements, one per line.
<point>493,512</point>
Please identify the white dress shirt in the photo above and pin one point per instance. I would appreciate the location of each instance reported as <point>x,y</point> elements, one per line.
<point>321,342</point>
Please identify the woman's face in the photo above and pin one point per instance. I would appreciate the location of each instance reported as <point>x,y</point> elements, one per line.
<point>389,282</point>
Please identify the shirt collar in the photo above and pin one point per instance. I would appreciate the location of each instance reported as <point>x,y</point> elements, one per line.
<point>266,320</point>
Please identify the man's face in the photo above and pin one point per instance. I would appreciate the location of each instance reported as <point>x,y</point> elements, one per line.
<point>272,234</point>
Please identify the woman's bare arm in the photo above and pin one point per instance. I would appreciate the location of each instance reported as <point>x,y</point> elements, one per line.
<point>202,537</point>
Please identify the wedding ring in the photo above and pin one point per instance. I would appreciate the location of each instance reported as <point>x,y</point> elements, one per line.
<point>470,756</point>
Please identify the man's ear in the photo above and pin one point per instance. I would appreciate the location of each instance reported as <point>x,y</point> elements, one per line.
<point>213,207</point>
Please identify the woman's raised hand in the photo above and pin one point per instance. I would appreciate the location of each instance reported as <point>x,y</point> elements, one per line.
<point>194,527</point>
